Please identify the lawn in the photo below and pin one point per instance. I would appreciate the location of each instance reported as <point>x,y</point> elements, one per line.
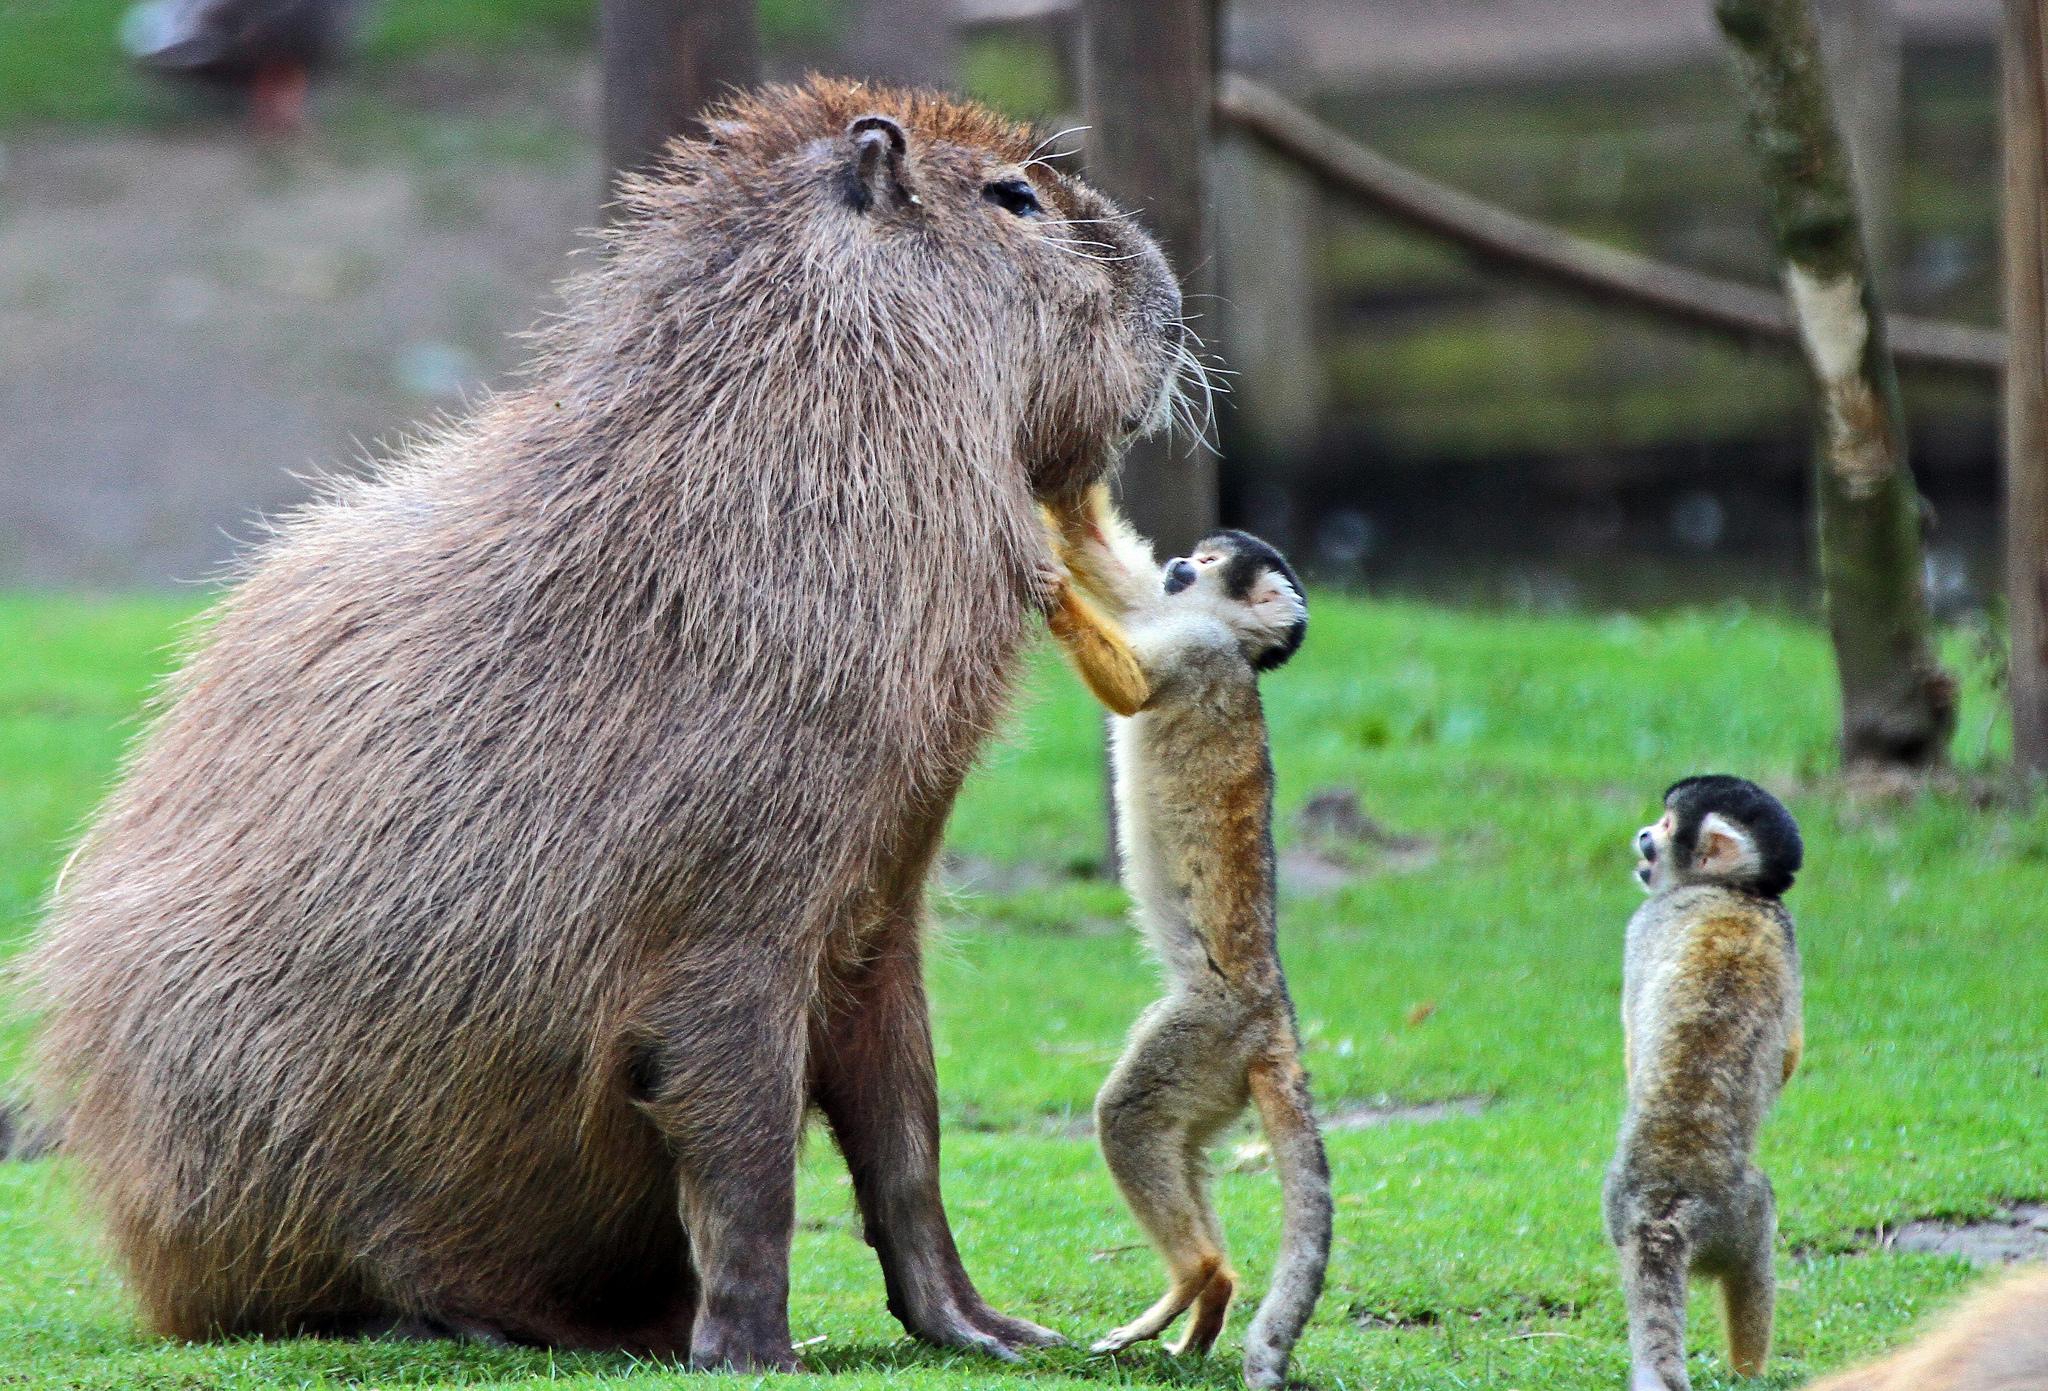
<point>1525,751</point>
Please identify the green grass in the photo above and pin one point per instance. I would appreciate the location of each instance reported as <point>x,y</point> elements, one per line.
<point>1526,750</point>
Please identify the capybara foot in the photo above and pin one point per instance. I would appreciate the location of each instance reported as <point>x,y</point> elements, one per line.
<point>952,1323</point>
<point>723,1345</point>
<point>1014,1333</point>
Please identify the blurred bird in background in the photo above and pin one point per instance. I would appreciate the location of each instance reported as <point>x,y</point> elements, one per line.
<point>265,50</point>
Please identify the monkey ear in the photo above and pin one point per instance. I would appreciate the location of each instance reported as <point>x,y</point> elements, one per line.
<point>1722,847</point>
<point>877,175</point>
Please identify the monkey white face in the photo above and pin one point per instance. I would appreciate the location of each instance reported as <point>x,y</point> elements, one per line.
<point>1248,587</point>
<point>1723,830</point>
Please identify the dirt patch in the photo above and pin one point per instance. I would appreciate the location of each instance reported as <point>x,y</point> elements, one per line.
<point>976,874</point>
<point>2018,1234</point>
<point>192,320</point>
<point>1337,843</point>
<point>1534,1307</point>
<point>1370,1115</point>
<point>21,1138</point>
<point>1250,1153</point>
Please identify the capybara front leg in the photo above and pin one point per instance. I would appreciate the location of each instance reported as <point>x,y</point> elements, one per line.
<point>725,1087</point>
<point>874,1079</point>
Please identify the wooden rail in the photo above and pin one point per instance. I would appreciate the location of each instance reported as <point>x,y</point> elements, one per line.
<point>1345,168</point>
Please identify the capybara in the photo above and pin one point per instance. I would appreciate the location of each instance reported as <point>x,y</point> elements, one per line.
<point>539,826</point>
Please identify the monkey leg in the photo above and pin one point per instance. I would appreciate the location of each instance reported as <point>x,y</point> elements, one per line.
<point>1655,1259</point>
<point>874,1079</point>
<point>724,1084</point>
<point>1155,1117</point>
<point>1749,1282</point>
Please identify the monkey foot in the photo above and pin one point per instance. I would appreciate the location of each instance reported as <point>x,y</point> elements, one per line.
<point>1122,1338</point>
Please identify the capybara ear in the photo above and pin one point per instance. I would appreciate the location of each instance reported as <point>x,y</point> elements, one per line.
<point>878,175</point>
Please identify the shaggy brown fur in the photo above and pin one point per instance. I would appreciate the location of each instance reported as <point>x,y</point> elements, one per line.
<point>541,825</point>
<point>1996,1340</point>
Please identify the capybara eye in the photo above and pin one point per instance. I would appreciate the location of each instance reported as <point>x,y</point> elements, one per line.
<point>1013,196</point>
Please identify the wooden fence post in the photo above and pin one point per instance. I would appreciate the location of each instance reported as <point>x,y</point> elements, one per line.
<point>1267,226</point>
<point>911,43</point>
<point>663,60</point>
<point>2026,375</point>
<point>1148,74</point>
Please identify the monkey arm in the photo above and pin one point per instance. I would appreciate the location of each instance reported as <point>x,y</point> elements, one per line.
<point>1099,652</point>
<point>1795,1046</point>
<point>1106,566</point>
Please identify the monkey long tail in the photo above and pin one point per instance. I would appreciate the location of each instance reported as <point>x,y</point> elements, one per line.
<point>1280,1090</point>
<point>1655,1255</point>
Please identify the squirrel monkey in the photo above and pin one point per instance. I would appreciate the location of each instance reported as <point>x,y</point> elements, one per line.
<point>1178,653</point>
<point>1995,1340</point>
<point>1711,1032</point>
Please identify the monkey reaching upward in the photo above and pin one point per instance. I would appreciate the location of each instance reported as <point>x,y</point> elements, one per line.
<point>1711,1032</point>
<point>1194,794</point>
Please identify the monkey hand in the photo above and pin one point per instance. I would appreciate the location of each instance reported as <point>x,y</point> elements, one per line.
<point>1099,652</point>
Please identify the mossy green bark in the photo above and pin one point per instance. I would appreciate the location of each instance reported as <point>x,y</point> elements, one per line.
<point>1898,705</point>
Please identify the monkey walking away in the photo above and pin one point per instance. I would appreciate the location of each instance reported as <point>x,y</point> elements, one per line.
<point>1194,797</point>
<point>1711,1033</point>
<point>540,827</point>
<point>1995,1340</point>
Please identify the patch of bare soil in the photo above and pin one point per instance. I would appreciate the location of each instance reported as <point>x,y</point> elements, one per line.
<point>1526,1308</point>
<point>2018,1234</point>
<point>192,320</point>
<point>21,1138</point>
<point>1251,1154</point>
<point>1370,1115</point>
<point>1337,843</point>
<point>980,875</point>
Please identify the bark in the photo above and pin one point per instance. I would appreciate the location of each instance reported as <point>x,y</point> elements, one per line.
<point>2026,381</point>
<point>1861,48</point>
<point>1898,704</point>
<point>1148,77</point>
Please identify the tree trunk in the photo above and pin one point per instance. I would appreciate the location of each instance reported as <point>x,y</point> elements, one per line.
<point>1861,49</point>
<point>1148,76</point>
<point>663,61</point>
<point>2026,375</point>
<point>1898,705</point>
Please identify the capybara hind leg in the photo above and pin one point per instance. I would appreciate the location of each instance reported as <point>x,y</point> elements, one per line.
<point>874,1080</point>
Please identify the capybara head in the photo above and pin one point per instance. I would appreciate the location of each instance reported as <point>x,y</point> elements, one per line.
<point>940,230</point>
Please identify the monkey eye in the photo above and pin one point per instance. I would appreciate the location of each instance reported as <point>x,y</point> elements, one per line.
<point>1014,196</point>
